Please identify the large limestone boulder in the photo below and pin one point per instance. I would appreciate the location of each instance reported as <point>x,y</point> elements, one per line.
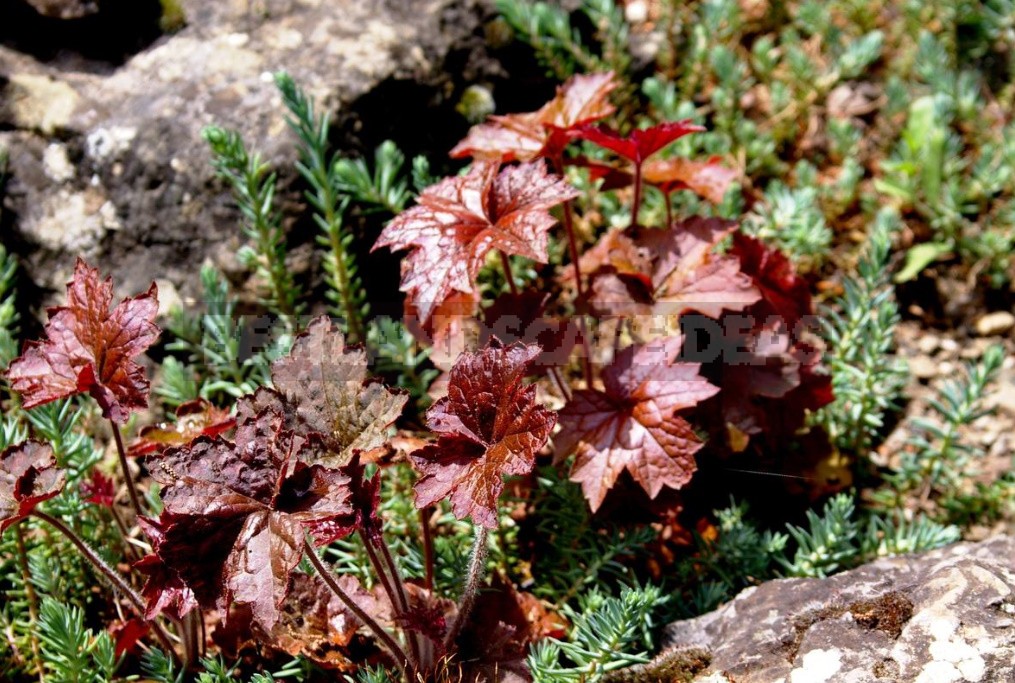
<point>106,160</point>
<point>942,617</point>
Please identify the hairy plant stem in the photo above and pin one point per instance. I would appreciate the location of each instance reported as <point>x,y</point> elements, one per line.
<point>401,660</point>
<point>508,275</point>
<point>424,523</point>
<point>33,601</point>
<point>477,566</point>
<point>122,453</point>
<point>119,583</point>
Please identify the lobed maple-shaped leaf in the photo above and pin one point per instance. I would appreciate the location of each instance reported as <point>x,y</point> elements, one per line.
<point>543,133</point>
<point>520,317</point>
<point>315,623</point>
<point>768,387</point>
<point>489,425</point>
<point>28,476</point>
<point>708,179</point>
<point>323,387</point>
<point>90,348</point>
<point>99,489</point>
<point>683,272</point>
<point>459,220</point>
<point>193,419</point>
<point>236,513</point>
<point>783,292</point>
<point>642,142</point>
<point>632,423</point>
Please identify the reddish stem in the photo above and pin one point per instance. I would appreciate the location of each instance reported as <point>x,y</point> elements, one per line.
<point>119,583</point>
<point>33,600</point>
<point>636,204</point>
<point>477,565</point>
<point>572,247</point>
<point>424,523</point>
<point>396,595</point>
<point>508,275</point>
<point>135,502</point>
<point>325,573</point>
<point>669,210</point>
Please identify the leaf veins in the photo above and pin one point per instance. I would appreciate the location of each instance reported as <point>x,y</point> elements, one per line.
<point>489,425</point>
<point>28,476</point>
<point>632,424</point>
<point>459,220</point>
<point>90,348</point>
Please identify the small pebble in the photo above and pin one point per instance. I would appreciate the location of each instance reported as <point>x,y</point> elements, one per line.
<point>949,345</point>
<point>946,369</point>
<point>928,344</point>
<point>996,323</point>
<point>636,12</point>
<point>923,367</point>
<point>1004,399</point>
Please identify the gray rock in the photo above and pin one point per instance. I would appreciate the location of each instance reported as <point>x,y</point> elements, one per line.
<point>64,9</point>
<point>947,615</point>
<point>108,162</point>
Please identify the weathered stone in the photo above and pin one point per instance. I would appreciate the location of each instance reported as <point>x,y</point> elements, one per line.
<point>64,9</point>
<point>947,615</point>
<point>993,324</point>
<point>129,183</point>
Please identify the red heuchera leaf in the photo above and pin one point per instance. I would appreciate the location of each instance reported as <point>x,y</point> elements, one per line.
<point>459,220</point>
<point>685,273</point>
<point>165,591</point>
<point>28,476</point>
<point>99,490</point>
<point>315,624</point>
<point>90,349</point>
<point>127,634</point>
<point>502,625</point>
<point>769,365</point>
<point>632,424</point>
<point>489,425</point>
<point>708,179</point>
<point>323,388</point>
<point>784,293</point>
<point>236,513</point>
<point>193,419</point>
<point>449,331</point>
<point>642,142</point>
<point>543,133</point>
<point>520,317</point>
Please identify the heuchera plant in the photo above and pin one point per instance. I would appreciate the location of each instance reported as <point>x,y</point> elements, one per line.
<point>704,344</point>
<point>748,367</point>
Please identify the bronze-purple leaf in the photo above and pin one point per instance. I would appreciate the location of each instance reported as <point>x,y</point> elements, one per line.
<point>237,512</point>
<point>489,425</point>
<point>90,348</point>
<point>325,389</point>
<point>632,424</point>
<point>28,476</point>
